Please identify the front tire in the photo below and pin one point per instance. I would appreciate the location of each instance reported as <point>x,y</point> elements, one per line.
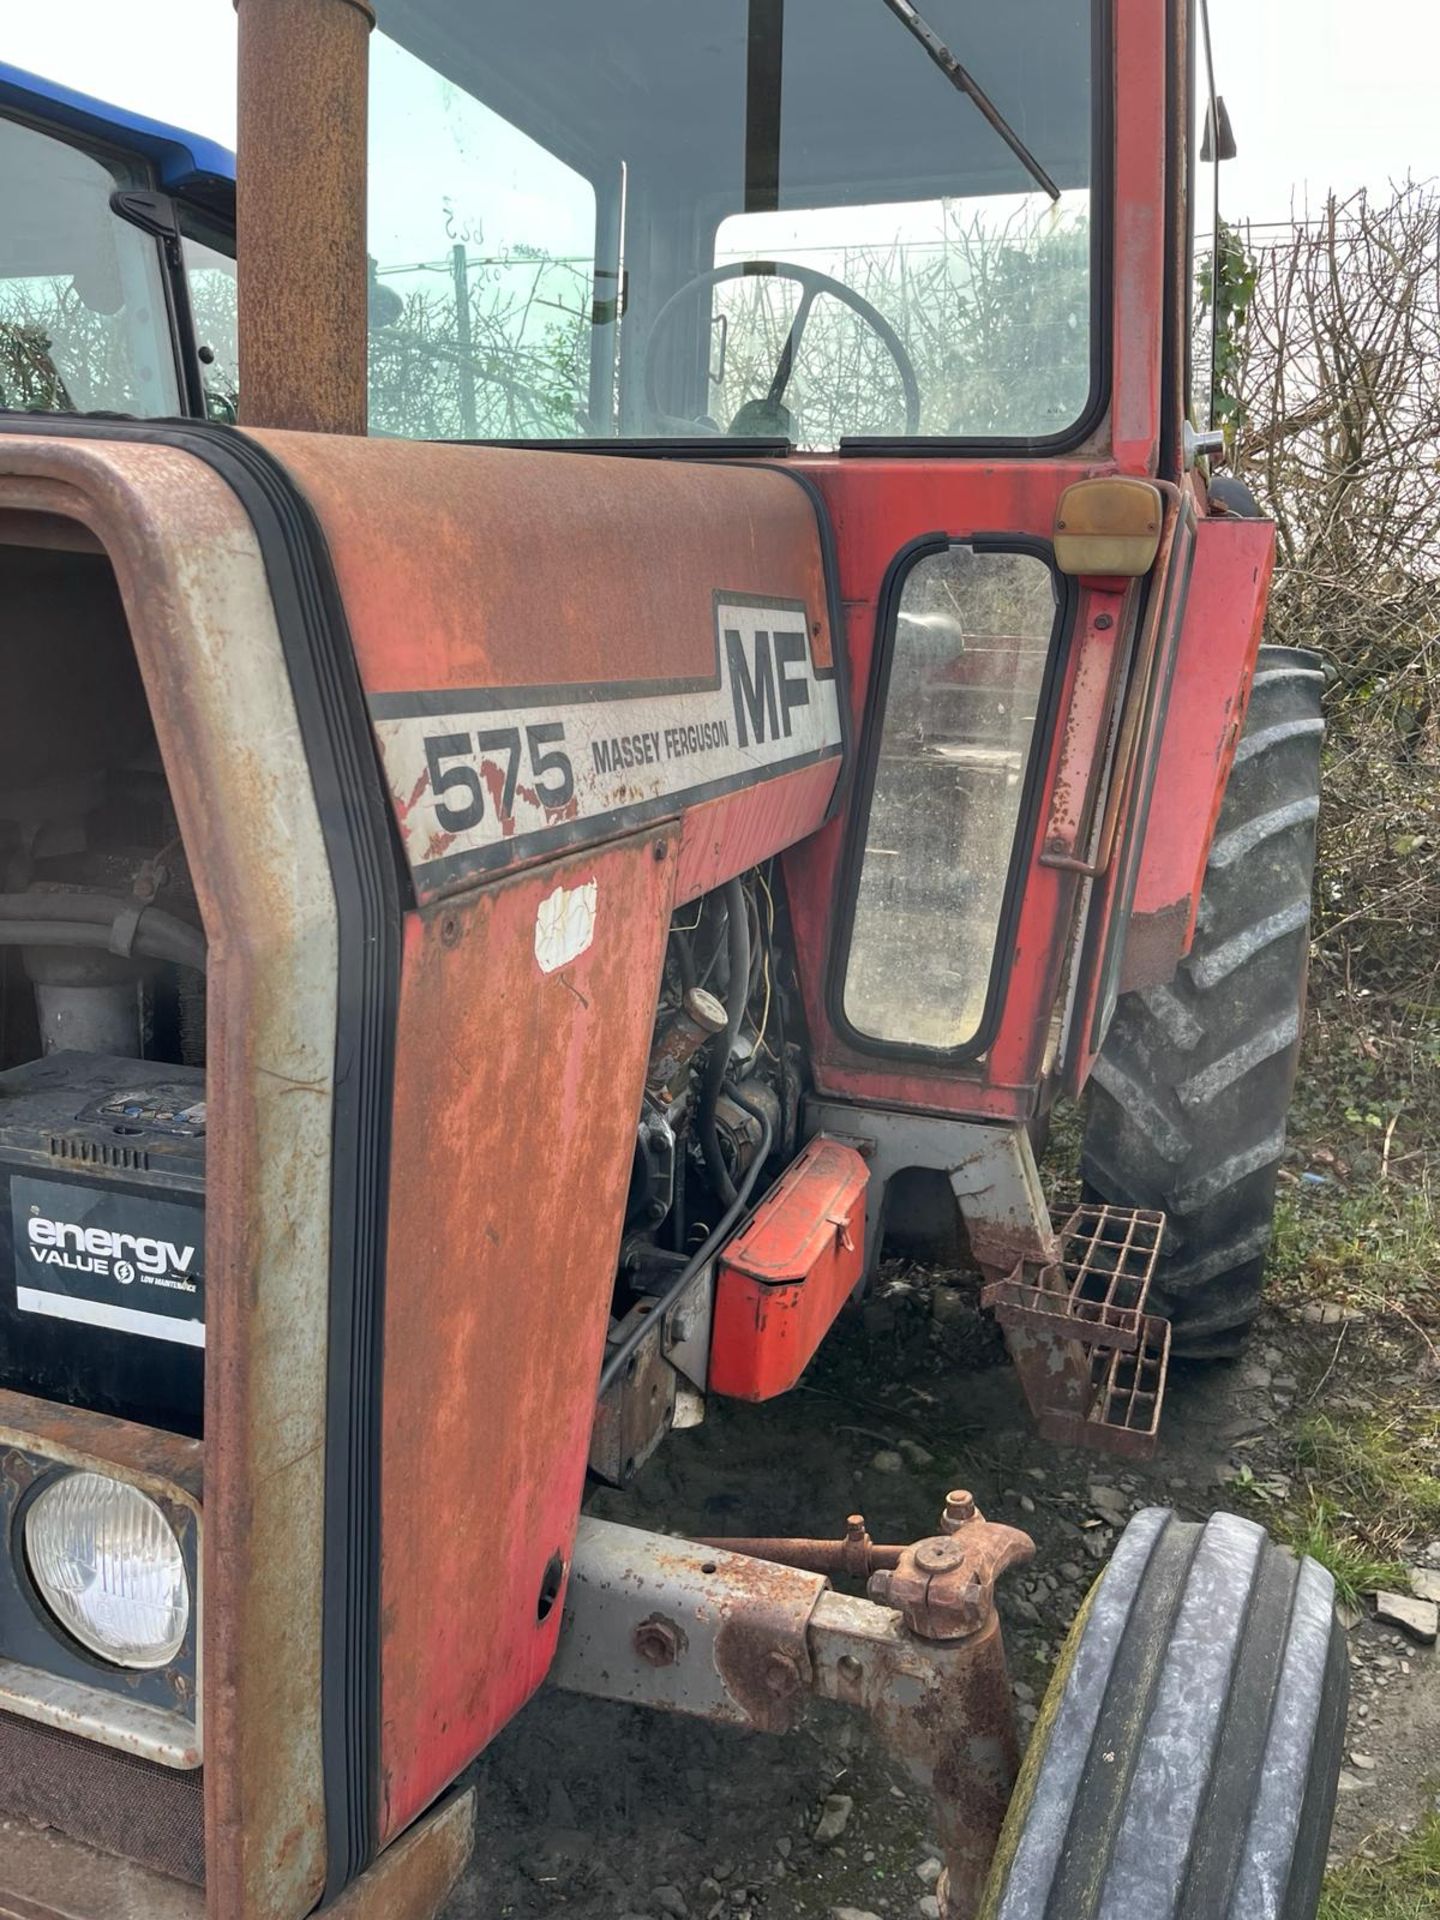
<point>1185,1761</point>
<point>1187,1103</point>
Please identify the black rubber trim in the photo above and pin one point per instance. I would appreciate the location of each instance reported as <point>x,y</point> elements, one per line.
<point>156,215</point>
<point>708,447</point>
<point>1099,1801</point>
<point>367,877</point>
<point>887,615</point>
<point>1223,1821</point>
<point>764,86</point>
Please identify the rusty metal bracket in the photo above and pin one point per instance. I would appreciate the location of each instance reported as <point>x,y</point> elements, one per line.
<point>687,1628</point>
<point>944,1588</point>
<point>945,1711</point>
<point>662,1386</point>
<point>990,1166</point>
<point>1091,1360</point>
<point>699,1628</point>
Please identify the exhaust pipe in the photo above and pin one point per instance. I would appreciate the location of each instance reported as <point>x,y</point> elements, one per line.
<point>300,213</point>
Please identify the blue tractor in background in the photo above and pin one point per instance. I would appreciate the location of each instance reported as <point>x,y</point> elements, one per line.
<point>117,259</point>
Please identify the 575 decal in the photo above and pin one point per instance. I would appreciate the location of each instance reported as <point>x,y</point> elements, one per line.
<point>500,777</point>
<point>463,766</point>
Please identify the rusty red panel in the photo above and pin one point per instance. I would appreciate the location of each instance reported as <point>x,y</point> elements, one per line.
<point>560,648</point>
<point>784,1278</point>
<point>193,583</point>
<point>496,566</point>
<point>1141,174</point>
<point>525,1022</point>
<point>1219,640</point>
<point>877,509</point>
<point>724,837</point>
<point>1143,726</point>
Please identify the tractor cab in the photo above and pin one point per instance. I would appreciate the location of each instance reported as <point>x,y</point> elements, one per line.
<point>117,259</point>
<point>776,226</point>
<point>879,248</point>
<point>690,688</point>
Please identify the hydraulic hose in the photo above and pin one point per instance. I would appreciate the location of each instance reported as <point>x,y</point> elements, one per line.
<point>91,919</point>
<point>722,1048</point>
<point>616,1360</point>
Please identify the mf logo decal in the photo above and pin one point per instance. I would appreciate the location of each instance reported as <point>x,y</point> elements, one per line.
<point>484,778</point>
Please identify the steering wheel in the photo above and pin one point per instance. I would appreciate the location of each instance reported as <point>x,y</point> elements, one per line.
<point>812,283</point>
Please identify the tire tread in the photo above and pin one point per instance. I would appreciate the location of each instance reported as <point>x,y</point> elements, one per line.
<point>1187,1104</point>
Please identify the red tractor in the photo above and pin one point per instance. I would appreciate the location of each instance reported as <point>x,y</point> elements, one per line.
<point>494,904</point>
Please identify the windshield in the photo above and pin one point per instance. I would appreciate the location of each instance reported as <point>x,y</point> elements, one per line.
<point>749,218</point>
<point>84,323</point>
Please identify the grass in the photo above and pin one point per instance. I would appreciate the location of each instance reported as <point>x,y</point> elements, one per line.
<point>1384,1466</point>
<point>1404,1885</point>
<point>1374,1244</point>
<point>1351,1564</point>
<point>1357,1225</point>
<point>1362,1487</point>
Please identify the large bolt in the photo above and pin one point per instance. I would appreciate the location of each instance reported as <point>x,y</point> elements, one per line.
<point>938,1555</point>
<point>782,1675</point>
<point>855,1548</point>
<point>959,1510</point>
<point>657,1643</point>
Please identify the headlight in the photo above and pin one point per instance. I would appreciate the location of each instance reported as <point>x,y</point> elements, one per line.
<point>107,1563</point>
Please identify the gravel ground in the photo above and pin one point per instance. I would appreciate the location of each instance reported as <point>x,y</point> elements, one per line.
<point>596,1810</point>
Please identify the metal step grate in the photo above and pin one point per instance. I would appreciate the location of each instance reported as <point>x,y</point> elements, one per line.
<point>1130,1391</point>
<point>1091,1359</point>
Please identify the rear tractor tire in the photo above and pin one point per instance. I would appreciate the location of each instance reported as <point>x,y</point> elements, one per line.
<point>1187,1103</point>
<point>1185,1761</point>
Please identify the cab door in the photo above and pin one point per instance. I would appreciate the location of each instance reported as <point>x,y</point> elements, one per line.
<point>1003,709</point>
<point>95,311</point>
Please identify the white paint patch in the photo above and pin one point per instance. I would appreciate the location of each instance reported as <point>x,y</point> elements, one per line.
<point>565,925</point>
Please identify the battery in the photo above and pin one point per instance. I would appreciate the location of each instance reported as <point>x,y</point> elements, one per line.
<point>102,1236</point>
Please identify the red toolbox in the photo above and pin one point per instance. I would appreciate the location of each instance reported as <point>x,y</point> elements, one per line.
<point>787,1274</point>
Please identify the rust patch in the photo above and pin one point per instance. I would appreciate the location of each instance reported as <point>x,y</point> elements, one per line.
<point>152,1459</point>
<point>417,794</point>
<point>413,1878</point>
<point>1155,945</point>
<point>515,1091</point>
<point>761,1650</point>
<point>944,1587</point>
<point>958,1736</point>
<point>1091,1360</point>
<point>856,1554</point>
<point>302,85</point>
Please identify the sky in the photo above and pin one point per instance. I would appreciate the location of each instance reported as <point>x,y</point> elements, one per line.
<point>1321,93</point>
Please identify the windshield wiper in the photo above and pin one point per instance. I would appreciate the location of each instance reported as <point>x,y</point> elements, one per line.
<point>958,77</point>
